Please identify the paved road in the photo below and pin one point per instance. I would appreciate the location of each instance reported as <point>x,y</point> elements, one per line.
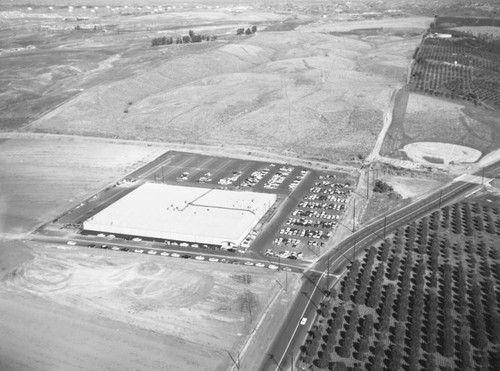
<point>291,335</point>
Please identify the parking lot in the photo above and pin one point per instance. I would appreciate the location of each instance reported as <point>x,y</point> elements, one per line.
<point>309,207</point>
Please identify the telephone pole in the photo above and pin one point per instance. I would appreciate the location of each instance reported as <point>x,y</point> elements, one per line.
<point>385,223</point>
<point>354,217</point>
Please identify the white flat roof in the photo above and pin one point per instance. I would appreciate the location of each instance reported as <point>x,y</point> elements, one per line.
<point>182,213</point>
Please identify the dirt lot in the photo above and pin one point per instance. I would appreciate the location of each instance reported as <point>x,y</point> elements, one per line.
<point>39,179</point>
<point>459,124</point>
<point>110,310</point>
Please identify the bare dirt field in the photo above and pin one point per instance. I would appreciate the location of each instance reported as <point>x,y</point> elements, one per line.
<point>445,153</point>
<point>110,310</point>
<point>303,92</point>
<point>39,179</point>
<point>459,124</point>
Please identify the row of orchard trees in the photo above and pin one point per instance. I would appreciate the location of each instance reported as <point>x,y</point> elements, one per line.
<point>186,39</point>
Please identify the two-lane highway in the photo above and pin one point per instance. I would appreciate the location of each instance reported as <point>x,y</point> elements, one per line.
<point>292,334</point>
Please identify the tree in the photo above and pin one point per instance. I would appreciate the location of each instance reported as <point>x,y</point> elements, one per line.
<point>248,31</point>
<point>240,31</point>
<point>382,187</point>
<point>186,39</point>
<point>254,29</point>
<point>345,350</point>
<point>191,33</point>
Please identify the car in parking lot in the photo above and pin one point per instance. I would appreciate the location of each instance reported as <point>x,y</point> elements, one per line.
<point>72,243</point>
<point>287,269</point>
<point>213,260</point>
<point>104,246</point>
<point>272,266</point>
<point>248,263</point>
<point>184,244</point>
<point>175,255</point>
<point>186,256</point>
<point>116,248</point>
<point>152,252</point>
<point>260,265</point>
<point>139,251</point>
<point>91,245</point>
<point>199,257</point>
<point>303,321</point>
<point>136,239</point>
<point>164,253</point>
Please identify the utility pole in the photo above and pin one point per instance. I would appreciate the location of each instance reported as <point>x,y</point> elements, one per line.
<point>354,252</point>
<point>440,195</point>
<point>354,217</point>
<point>328,276</point>
<point>367,183</point>
<point>162,175</point>
<point>482,177</point>
<point>291,360</point>
<point>385,223</point>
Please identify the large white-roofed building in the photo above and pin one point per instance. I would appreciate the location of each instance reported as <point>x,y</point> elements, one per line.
<point>191,214</point>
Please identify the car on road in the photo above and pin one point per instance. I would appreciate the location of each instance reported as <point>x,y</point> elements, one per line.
<point>199,257</point>
<point>72,243</point>
<point>303,321</point>
<point>175,255</point>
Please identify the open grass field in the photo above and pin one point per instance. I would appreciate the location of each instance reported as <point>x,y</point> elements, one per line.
<point>113,311</point>
<point>39,179</point>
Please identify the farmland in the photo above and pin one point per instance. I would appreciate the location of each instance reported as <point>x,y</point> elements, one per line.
<point>454,75</point>
<point>425,297</point>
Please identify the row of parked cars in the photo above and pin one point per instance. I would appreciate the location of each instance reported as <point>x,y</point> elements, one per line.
<point>285,254</point>
<point>256,177</point>
<point>177,255</point>
<point>275,181</point>
<point>311,223</point>
<point>295,182</point>
<point>292,242</point>
<point>318,213</point>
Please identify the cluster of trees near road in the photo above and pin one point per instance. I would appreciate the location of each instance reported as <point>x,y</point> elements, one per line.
<point>428,294</point>
<point>248,31</point>
<point>186,39</point>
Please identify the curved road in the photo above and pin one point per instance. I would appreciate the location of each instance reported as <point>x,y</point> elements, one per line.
<point>315,280</point>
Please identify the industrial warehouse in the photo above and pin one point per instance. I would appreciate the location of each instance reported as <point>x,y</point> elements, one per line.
<point>191,214</point>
